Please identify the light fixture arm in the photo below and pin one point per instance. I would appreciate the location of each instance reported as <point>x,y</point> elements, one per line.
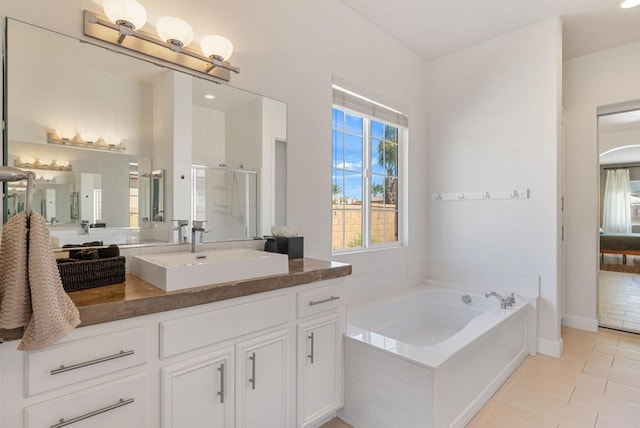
<point>93,20</point>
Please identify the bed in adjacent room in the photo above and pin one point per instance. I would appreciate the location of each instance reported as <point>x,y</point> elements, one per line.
<point>619,243</point>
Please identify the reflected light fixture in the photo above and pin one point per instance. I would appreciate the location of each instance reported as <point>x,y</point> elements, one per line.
<point>65,134</point>
<point>32,163</point>
<point>89,137</point>
<point>122,27</point>
<point>86,140</point>
<point>627,4</point>
<point>210,96</point>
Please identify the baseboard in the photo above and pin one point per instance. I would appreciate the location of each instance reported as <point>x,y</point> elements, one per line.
<point>581,323</point>
<point>547,347</point>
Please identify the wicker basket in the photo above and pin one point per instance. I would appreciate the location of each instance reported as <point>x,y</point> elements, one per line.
<point>85,274</point>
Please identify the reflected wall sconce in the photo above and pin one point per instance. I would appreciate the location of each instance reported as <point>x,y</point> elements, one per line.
<point>42,163</point>
<point>122,26</point>
<point>87,140</point>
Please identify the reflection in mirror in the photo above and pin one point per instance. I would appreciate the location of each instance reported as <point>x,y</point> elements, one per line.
<point>225,199</point>
<point>157,195</point>
<point>154,119</point>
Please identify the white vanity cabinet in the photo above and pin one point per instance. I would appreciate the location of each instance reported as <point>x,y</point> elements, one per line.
<point>267,360</point>
<point>320,362</point>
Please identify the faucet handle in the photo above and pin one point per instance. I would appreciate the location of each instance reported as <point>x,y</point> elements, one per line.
<point>511,299</point>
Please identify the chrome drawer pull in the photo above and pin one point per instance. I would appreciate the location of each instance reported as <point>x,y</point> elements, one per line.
<point>319,302</point>
<point>64,368</point>
<point>221,393</point>
<point>311,355</point>
<point>252,381</point>
<point>64,423</point>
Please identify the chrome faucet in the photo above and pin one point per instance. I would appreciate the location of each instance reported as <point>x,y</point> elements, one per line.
<point>504,301</point>
<point>182,227</point>
<point>85,225</point>
<point>197,233</point>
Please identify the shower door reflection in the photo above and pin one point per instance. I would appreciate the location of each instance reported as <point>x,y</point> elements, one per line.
<point>226,199</point>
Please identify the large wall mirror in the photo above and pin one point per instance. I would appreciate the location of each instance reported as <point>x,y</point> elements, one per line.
<point>100,129</point>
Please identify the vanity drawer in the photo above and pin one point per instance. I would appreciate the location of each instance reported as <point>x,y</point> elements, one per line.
<point>121,403</point>
<point>84,359</point>
<point>207,328</point>
<point>319,299</point>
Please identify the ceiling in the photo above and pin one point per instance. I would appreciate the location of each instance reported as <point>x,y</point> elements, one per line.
<point>432,28</point>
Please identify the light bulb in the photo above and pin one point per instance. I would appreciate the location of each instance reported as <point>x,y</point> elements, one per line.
<point>127,13</point>
<point>627,4</point>
<point>216,47</point>
<point>89,137</point>
<point>66,134</point>
<point>47,177</point>
<point>112,140</point>
<point>44,161</point>
<point>27,160</point>
<point>174,31</point>
<point>62,163</point>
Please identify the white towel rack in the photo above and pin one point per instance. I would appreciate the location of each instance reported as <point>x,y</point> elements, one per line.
<point>9,173</point>
<point>470,196</point>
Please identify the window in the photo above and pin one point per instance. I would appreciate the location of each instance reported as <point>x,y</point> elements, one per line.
<point>634,193</point>
<point>367,144</point>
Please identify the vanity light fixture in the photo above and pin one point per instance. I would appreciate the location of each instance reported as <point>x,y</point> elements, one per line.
<point>87,141</point>
<point>51,165</point>
<point>627,4</point>
<point>171,44</point>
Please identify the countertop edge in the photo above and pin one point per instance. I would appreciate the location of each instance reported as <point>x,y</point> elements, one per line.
<point>99,313</point>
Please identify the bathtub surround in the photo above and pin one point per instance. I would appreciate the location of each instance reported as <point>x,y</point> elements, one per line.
<point>414,361</point>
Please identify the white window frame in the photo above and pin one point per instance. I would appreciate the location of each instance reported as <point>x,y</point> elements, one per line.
<point>402,176</point>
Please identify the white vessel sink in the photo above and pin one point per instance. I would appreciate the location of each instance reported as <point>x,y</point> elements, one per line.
<point>176,271</point>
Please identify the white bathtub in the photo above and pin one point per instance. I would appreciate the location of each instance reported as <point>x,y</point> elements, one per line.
<point>428,359</point>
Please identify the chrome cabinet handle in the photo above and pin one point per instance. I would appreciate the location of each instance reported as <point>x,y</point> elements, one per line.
<point>310,356</point>
<point>64,423</point>
<point>319,302</point>
<point>253,370</point>
<point>221,393</point>
<point>64,368</point>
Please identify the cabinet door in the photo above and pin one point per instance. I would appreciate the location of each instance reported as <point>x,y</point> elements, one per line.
<point>319,368</point>
<point>262,379</point>
<point>198,392</point>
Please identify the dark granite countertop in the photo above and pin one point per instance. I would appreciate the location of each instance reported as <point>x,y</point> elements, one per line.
<point>135,297</point>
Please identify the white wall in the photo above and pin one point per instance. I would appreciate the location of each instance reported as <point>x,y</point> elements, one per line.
<point>603,78</point>
<point>494,125</point>
<point>208,136</point>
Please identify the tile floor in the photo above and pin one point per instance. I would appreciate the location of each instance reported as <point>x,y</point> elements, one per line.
<point>595,384</point>
<point>619,300</point>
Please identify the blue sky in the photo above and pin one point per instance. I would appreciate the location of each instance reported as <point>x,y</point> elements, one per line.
<point>347,153</point>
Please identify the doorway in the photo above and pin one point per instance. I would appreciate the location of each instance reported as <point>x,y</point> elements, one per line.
<point>619,217</point>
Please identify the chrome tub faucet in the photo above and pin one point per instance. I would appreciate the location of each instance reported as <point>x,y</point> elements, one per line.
<point>505,302</point>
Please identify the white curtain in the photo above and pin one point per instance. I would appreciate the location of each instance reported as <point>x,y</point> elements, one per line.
<point>616,213</point>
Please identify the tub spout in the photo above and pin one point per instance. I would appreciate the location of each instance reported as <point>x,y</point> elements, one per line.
<point>504,303</point>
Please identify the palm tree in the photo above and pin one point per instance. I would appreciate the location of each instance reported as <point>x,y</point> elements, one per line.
<point>388,159</point>
<point>377,189</point>
<point>336,190</point>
